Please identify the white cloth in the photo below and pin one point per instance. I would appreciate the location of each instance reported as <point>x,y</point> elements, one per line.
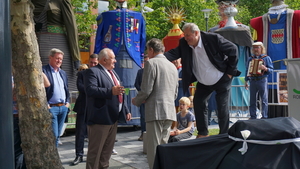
<point>277,9</point>
<point>203,69</point>
<point>247,133</point>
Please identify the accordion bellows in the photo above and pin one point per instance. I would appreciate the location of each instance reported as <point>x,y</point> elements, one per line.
<point>254,67</point>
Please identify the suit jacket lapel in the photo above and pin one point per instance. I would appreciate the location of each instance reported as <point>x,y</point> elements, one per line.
<point>49,74</point>
<point>117,76</point>
<point>105,74</point>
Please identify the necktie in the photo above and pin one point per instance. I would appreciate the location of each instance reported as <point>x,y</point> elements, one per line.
<point>116,83</point>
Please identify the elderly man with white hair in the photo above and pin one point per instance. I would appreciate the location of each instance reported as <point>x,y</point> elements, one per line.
<point>258,77</point>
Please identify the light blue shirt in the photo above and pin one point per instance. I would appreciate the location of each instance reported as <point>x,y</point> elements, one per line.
<point>59,93</point>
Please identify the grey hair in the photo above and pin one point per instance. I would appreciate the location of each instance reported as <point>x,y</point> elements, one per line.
<point>53,51</point>
<point>193,27</point>
<point>104,53</point>
<point>156,45</point>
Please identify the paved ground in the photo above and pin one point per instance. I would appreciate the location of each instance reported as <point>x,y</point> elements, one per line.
<point>130,151</point>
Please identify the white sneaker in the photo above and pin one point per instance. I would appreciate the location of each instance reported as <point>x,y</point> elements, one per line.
<point>59,142</point>
<point>114,152</point>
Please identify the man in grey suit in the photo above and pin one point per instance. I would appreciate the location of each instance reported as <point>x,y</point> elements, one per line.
<point>158,91</point>
<point>105,107</point>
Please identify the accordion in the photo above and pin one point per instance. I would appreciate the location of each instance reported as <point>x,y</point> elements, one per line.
<point>254,65</point>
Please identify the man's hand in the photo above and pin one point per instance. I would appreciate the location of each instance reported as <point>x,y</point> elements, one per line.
<point>128,117</point>
<point>263,67</point>
<point>175,132</point>
<point>246,85</point>
<point>67,105</point>
<point>133,101</point>
<point>118,90</point>
<point>172,133</point>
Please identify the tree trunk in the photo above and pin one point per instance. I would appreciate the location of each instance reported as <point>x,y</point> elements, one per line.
<point>37,136</point>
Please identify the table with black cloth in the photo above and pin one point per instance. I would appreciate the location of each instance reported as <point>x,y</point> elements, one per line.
<point>222,152</point>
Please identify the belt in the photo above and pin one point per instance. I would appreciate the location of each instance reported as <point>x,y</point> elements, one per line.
<point>16,115</point>
<point>257,78</point>
<point>57,104</point>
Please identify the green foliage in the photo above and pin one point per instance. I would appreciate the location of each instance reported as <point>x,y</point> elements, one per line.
<point>131,4</point>
<point>256,7</point>
<point>211,132</point>
<point>157,25</point>
<point>85,19</point>
<point>293,4</point>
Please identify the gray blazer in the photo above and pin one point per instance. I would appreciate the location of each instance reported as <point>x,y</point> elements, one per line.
<point>158,89</point>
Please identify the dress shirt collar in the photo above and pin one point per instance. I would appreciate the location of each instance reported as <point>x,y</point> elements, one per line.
<point>159,55</point>
<point>199,43</point>
<point>52,69</point>
<point>103,67</point>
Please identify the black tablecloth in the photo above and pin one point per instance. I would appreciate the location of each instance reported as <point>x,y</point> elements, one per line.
<point>221,152</point>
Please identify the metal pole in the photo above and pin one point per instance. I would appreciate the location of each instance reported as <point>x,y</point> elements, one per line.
<point>6,117</point>
<point>206,20</point>
<point>142,5</point>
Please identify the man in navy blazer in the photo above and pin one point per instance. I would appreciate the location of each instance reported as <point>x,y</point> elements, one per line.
<point>211,60</point>
<point>105,108</point>
<point>58,96</point>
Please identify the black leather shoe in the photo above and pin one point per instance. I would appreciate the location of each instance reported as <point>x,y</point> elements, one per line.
<point>77,160</point>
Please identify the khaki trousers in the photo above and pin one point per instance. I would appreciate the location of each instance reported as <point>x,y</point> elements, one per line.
<point>158,132</point>
<point>101,143</point>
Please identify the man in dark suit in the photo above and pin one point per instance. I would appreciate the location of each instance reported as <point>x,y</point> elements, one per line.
<point>58,95</point>
<point>137,85</point>
<point>211,60</point>
<point>79,108</point>
<point>105,108</point>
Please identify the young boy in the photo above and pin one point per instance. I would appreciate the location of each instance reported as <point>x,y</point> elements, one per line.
<point>184,127</point>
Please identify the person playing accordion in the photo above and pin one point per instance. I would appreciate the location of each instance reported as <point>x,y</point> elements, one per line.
<point>259,66</point>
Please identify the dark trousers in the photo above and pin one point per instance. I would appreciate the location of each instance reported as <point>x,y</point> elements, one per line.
<point>212,106</point>
<point>202,94</point>
<point>19,156</point>
<point>179,137</point>
<point>80,134</point>
<point>142,118</point>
